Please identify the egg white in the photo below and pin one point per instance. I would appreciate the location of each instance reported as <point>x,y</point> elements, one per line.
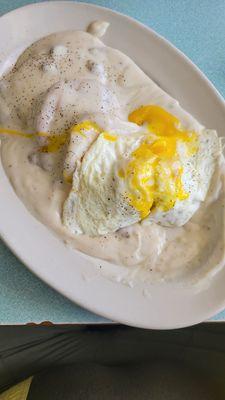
<point>198,171</point>
<point>97,203</point>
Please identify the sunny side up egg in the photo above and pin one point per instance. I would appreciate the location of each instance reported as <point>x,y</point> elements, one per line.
<point>160,173</point>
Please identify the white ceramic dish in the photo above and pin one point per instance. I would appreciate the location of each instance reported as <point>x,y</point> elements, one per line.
<point>167,306</point>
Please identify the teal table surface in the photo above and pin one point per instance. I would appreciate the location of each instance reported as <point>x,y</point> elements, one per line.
<point>195,27</point>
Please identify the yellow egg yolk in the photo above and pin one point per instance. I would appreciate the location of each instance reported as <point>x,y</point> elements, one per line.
<point>154,173</point>
<point>87,125</point>
<point>55,141</point>
<point>7,131</point>
<point>84,127</point>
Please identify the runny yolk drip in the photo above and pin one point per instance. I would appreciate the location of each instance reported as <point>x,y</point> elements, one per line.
<point>7,131</point>
<point>54,142</point>
<point>85,126</point>
<point>108,136</point>
<point>154,173</point>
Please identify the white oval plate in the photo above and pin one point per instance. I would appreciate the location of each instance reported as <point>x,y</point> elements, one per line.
<point>167,306</point>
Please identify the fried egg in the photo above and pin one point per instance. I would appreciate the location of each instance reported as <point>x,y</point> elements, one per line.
<point>153,171</point>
